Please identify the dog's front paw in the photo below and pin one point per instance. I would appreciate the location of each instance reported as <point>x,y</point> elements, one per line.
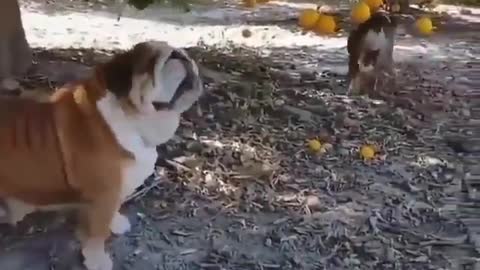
<point>18,210</point>
<point>352,91</point>
<point>10,84</point>
<point>120,224</point>
<point>97,259</point>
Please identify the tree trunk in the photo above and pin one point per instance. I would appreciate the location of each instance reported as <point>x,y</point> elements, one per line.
<point>15,52</point>
<point>404,6</point>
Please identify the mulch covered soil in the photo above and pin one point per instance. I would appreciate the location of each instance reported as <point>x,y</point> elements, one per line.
<point>238,188</point>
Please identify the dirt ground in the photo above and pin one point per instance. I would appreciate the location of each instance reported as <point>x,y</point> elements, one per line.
<point>237,188</point>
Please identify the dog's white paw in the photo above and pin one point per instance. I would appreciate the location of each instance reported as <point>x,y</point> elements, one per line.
<point>15,218</point>
<point>120,224</point>
<point>18,210</point>
<point>96,259</point>
<point>4,216</point>
<point>10,84</point>
<point>3,212</point>
<point>351,89</point>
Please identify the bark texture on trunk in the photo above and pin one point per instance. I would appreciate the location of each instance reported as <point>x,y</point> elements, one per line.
<point>15,52</point>
<point>404,6</point>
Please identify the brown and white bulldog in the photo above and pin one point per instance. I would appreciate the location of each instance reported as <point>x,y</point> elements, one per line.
<point>94,142</point>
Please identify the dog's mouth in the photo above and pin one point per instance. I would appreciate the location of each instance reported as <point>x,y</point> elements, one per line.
<point>161,106</point>
<point>187,85</point>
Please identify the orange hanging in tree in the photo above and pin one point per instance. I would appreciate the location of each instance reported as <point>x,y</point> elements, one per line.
<point>325,24</point>
<point>360,12</point>
<point>308,18</point>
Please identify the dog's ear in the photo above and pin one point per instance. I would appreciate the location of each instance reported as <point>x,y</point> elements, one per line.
<point>394,20</point>
<point>117,74</point>
<point>120,71</point>
<point>146,55</point>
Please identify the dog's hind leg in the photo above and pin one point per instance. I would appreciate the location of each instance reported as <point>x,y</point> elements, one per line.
<point>98,215</point>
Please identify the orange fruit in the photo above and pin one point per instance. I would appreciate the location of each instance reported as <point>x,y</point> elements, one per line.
<point>314,145</point>
<point>325,25</point>
<point>308,18</point>
<point>367,152</point>
<point>360,12</point>
<point>424,25</point>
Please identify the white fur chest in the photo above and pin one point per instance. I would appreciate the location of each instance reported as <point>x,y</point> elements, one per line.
<point>384,43</point>
<point>137,172</point>
<point>129,137</point>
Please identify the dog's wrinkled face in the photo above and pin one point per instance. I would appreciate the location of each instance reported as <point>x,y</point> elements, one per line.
<point>154,76</point>
<point>157,83</point>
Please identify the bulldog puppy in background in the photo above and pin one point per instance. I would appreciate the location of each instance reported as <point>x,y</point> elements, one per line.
<point>94,142</point>
<point>370,49</point>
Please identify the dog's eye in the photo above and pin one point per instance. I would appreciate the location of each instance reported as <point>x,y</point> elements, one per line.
<point>161,105</point>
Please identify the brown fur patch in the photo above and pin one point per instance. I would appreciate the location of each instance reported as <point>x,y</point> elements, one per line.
<point>53,151</point>
<point>118,72</point>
